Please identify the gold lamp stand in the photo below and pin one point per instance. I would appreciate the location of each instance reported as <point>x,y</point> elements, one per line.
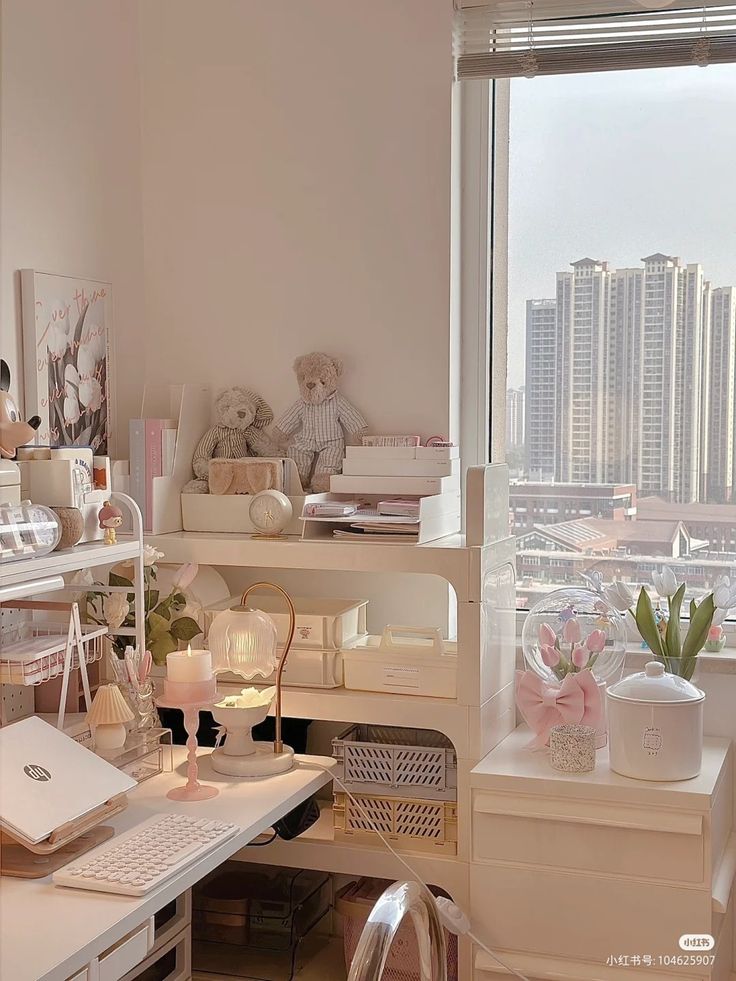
<point>261,759</point>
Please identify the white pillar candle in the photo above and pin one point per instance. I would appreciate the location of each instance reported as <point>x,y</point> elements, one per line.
<point>189,666</point>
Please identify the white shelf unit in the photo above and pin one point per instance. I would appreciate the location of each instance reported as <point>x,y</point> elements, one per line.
<point>27,577</point>
<point>482,714</point>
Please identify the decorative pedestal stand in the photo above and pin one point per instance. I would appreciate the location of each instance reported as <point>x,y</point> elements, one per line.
<point>204,693</point>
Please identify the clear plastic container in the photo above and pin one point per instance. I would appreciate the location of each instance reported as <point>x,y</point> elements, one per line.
<point>27,531</point>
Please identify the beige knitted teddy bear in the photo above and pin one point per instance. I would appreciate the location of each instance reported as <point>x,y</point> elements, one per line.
<point>314,427</point>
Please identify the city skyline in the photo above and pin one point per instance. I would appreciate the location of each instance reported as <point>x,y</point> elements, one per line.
<point>631,377</point>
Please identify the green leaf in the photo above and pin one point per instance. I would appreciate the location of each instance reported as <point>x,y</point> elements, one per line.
<point>699,626</point>
<point>647,624</point>
<point>151,599</point>
<point>673,640</point>
<point>116,580</point>
<point>693,608</point>
<point>163,645</point>
<point>185,628</point>
<point>157,626</point>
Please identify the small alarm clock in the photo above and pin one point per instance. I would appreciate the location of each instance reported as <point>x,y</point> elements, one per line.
<point>270,512</point>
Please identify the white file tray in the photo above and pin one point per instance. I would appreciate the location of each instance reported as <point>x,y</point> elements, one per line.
<point>190,405</point>
<point>439,516</point>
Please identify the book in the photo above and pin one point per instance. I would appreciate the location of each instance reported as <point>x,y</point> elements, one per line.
<point>154,461</point>
<point>327,509</point>
<point>419,486</point>
<point>137,456</point>
<point>391,440</point>
<point>396,468</point>
<point>168,449</point>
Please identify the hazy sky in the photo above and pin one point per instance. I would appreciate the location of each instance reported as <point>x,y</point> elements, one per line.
<point>617,166</point>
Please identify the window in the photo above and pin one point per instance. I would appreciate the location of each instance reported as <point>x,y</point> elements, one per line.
<point>622,323</point>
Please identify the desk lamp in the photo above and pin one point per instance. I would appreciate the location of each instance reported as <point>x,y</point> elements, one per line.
<point>243,641</point>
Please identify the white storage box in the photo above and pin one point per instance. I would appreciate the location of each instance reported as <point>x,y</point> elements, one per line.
<point>304,669</point>
<point>405,661</point>
<point>321,624</point>
<point>10,483</point>
<point>439,516</point>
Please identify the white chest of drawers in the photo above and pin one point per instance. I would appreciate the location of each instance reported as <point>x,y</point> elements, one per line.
<point>572,870</point>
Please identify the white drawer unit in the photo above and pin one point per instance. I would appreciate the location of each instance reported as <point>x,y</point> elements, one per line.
<point>569,870</point>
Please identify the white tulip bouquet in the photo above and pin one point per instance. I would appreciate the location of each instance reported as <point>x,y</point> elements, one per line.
<point>660,629</point>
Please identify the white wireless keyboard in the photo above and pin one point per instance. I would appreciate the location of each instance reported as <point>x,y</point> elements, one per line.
<point>133,863</point>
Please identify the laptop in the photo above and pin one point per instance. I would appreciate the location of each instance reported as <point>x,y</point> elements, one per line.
<point>47,779</point>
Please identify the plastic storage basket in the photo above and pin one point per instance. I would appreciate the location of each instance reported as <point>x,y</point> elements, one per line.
<point>410,823</point>
<point>355,902</point>
<point>389,760</point>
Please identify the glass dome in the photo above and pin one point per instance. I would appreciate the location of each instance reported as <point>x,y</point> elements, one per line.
<point>243,641</point>
<point>573,629</point>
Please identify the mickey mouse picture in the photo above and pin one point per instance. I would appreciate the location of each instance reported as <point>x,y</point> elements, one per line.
<point>13,431</point>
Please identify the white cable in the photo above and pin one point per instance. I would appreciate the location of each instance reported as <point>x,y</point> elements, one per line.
<point>415,875</point>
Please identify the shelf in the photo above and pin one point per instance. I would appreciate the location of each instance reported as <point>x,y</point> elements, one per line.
<point>68,560</point>
<point>317,849</point>
<point>412,711</point>
<point>447,557</point>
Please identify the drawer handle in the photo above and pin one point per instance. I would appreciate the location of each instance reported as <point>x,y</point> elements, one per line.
<point>633,819</point>
<point>724,876</point>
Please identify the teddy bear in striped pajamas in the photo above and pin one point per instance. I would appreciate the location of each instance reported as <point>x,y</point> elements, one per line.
<point>315,426</point>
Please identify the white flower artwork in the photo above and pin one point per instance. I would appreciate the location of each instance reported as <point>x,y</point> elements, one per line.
<point>67,326</point>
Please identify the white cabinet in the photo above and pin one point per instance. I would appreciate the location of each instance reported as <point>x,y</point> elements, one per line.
<point>569,870</point>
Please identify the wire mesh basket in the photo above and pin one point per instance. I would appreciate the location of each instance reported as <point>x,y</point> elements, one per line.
<point>409,823</point>
<point>390,760</point>
<point>33,651</point>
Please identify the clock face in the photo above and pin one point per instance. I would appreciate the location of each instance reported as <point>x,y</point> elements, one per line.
<point>270,512</point>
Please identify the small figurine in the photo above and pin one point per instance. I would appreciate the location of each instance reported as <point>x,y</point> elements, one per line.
<point>13,431</point>
<point>315,426</point>
<point>110,519</point>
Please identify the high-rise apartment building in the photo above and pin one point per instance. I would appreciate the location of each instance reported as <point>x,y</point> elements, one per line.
<point>541,388</point>
<point>641,358</point>
<point>582,313</point>
<point>722,424</point>
<point>515,412</point>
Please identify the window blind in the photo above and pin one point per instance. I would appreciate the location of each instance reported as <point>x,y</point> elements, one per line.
<point>511,38</point>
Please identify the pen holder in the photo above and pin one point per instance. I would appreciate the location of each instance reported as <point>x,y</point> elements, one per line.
<point>191,698</point>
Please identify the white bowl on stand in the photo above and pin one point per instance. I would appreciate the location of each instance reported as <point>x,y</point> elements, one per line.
<point>241,755</point>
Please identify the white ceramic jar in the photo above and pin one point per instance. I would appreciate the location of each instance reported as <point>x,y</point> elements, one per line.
<point>655,726</point>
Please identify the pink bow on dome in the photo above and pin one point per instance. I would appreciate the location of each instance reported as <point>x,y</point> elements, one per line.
<point>577,701</point>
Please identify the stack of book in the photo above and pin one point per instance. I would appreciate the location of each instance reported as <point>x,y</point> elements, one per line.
<point>152,446</point>
<point>399,468</point>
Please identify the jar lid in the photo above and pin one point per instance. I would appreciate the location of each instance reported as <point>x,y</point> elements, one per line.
<point>654,684</point>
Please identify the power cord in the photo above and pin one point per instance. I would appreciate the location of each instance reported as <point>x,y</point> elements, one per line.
<point>450,913</point>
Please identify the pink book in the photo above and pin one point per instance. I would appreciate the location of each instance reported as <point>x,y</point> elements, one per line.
<point>154,461</point>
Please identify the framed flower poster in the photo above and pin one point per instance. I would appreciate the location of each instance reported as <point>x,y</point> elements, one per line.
<point>67,325</point>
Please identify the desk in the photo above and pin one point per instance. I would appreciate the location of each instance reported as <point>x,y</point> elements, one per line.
<point>49,933</point>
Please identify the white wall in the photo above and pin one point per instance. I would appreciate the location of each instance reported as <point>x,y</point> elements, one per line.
<point>69,162</point>
<point>296,189</point>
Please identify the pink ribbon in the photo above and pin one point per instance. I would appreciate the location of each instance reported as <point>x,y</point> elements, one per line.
<point>576,701</point>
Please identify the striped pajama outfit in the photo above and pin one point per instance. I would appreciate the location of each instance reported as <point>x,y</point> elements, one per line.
<point>320,430</point>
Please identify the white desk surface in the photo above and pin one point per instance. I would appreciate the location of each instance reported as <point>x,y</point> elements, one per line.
<point>49,933</point>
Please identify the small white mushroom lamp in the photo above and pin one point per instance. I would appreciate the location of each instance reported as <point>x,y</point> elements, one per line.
<point>244,641</point>
<point>107,716</point>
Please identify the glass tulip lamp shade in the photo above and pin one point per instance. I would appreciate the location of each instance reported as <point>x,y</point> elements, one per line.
<point>243,641</point>
<point>570,630</point>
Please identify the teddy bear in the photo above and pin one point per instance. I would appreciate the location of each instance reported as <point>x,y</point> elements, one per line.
<point>314,427</point>
<point>241,418</point>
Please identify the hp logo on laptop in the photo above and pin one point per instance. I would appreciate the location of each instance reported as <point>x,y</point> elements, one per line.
<point>36,772</point>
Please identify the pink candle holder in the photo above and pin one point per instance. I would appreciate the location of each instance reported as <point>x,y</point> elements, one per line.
<point>191,698</point>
